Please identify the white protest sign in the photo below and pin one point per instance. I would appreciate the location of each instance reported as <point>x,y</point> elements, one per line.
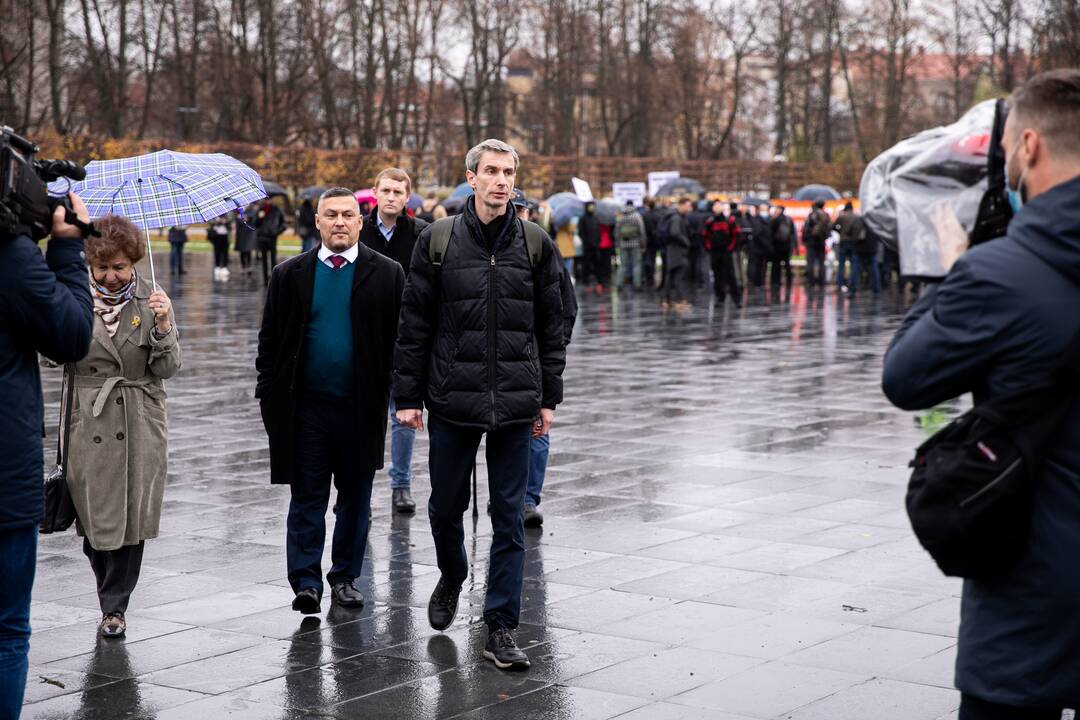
<point>658,179</point>
<point>582,189</point>
<point>633,192</point>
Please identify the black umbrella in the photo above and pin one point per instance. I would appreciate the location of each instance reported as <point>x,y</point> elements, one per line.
<point>813,193</point>
<point>681,186</point>
<point>309,193</point>
<point>753,201</point>
<point>272,188</point>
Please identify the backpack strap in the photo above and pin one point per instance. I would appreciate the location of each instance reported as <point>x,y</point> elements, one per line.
<point>441,232</point>
<point>534,242</point>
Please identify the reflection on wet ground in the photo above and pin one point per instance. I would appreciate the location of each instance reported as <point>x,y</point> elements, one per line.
<point>724,538</point>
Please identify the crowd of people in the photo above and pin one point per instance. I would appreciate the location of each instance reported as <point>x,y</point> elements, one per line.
<point>469,317</point>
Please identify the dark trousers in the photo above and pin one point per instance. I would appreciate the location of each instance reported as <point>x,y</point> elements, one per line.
<point>845,256</point>
<point>245,259</point>
<point>781,266</point>
<point>176,257</point>
<point>221,252</point>
<point>697,267</point>
<point>268,258</point>
<point>603,266</point>
<point>815,266</point>
<point>869,263</point>
<point>117,573</point>
<point>675,284</point>
<point>18,554</point>
<point>972,708</point>
<point>326,432</point>
<point>755,269</point>
<point>648,266</point>
<point>451,457</point>
<point>725,281</point>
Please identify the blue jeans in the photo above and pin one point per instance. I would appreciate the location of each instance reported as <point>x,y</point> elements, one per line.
<point>630,259</point>
<point>870,264</point>
<point>538,459</point>
<point>452,454</point>
<point>18,554</point>
<point>402,440</point>
<point>327,428</point>
<point>844,255</point>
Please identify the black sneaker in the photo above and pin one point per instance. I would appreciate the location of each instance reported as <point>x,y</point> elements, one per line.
<point>504,652</point>
<point>306,601</point>
<point>442,607</point>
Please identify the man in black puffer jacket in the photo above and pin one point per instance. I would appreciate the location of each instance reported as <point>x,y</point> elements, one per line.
<point>480,343</point>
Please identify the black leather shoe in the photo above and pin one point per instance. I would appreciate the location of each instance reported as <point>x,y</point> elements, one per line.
<point>502,650</point>
<point>346,595</point>
<point>442,607</point>
<point>306,601</point>
<point>403,502</point>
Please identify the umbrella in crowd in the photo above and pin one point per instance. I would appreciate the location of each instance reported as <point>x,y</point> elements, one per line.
<point>166,188</point>
<point>309,193</point>
<point>415,202</point>
<point>814,193</point>
<point>458,198</point>
<point>366,196</point>
<point>565,206</point>
<point>681,186</point>
<point>753,201</point>
<point>272,189</point>
<point>607,210</point>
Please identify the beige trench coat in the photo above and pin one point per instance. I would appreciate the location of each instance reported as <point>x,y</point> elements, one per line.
<point>119,436</point>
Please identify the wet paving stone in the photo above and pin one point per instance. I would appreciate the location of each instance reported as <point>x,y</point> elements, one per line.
<point>724,539</point>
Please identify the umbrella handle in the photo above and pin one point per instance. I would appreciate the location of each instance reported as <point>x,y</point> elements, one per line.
<point>150,256</point>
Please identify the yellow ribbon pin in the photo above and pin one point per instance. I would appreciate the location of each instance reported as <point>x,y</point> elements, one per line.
<point>136,321</point>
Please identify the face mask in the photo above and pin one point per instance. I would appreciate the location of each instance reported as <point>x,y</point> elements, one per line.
<point>1016,195</point>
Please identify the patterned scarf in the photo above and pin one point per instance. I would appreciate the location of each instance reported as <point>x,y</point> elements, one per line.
<point>110,304</point>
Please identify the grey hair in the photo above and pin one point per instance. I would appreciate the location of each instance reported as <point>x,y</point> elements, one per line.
<point>472,158</point>
<point>336,192</point>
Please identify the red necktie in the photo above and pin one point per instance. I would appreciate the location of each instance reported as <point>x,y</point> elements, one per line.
<point>337,261</point>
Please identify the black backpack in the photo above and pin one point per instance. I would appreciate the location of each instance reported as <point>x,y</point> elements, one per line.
<point>971,492</point>
<point>663,228</point>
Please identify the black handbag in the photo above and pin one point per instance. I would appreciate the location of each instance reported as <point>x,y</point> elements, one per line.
<point>971,491</point>
<point>59,509</point>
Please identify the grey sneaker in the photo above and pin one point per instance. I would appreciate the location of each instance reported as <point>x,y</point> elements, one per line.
<point>502,650</point>
<point>533,517</point>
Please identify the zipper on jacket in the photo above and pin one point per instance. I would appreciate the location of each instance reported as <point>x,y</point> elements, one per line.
<point>491,338</point>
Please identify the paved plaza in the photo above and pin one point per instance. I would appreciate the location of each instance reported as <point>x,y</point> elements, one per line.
<point>724,539</point>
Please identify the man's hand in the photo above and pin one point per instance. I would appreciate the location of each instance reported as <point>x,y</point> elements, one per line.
<point>412,418</point>
<point>61,228</point>
<point>952,238</point>
<point>543,423</point>
<point>161,306</point>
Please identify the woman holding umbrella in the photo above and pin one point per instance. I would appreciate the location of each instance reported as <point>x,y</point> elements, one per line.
<point>119,438</point>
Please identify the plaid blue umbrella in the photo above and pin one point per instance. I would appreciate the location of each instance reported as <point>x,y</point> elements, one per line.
<point>166,188</point>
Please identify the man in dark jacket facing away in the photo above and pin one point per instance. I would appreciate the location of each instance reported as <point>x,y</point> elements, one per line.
<point>815,232</point>
<point>324,368</point>
<point>677,253</point>
<point>998,323</point>
<point>45,307</point>
<point>480,343</point>
<point>389,230</point>
<point>783,233</point>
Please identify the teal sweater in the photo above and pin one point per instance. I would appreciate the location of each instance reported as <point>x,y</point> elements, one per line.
<point>328,342</point>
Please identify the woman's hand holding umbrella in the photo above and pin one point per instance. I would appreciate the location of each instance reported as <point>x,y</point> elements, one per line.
<point>161,306</point>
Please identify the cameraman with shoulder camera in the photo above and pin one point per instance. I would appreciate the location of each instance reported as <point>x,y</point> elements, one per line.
<point>1000,323</point>
<point>45,307</point>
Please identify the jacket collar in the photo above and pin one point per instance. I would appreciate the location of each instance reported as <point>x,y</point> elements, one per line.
<point>476,229</point>
<point>303,272</point>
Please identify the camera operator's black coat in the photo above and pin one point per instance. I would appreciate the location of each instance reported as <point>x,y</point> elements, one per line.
<point>483,344</point>
<point>45,307</point>
<point>376,298</point>
<point>997,324</point>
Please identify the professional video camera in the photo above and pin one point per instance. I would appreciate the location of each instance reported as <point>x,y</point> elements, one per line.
<point>960,166</point>
<point>25,204</point>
